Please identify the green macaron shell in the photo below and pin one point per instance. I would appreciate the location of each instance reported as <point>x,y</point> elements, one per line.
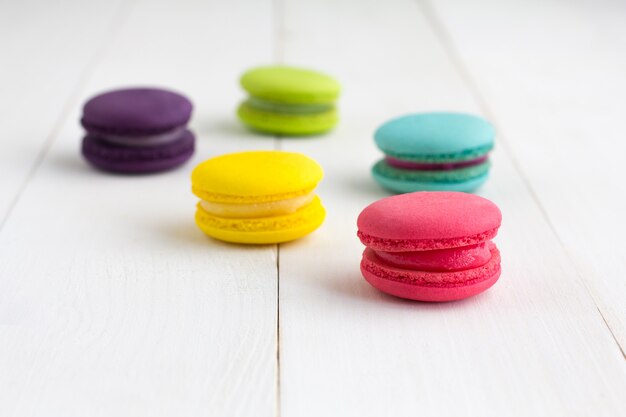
<point>287,124</point>
<point>291,85</point>
<point>436,137</point>
<point>403,180</point>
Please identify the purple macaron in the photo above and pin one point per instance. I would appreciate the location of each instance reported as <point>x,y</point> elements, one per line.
<point>137,130</point>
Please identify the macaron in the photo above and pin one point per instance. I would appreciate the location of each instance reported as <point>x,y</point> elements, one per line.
<point>289,101</point>
<point>137,130</point>
<point>430,246</point>
<point>434,152</point>
<point>258,197</point>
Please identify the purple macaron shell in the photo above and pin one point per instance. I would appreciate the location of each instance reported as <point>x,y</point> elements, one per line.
<point>136,112</point>
<point>126,159</point>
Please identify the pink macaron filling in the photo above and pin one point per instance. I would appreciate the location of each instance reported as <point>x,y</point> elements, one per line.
<point>453,259</point>
<point>423,166</point>
<point>371,263</point>
<point>430,286</point>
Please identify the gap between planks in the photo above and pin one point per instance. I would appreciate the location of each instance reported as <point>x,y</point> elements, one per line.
<point>109,35</point>
<point>278,52</point>
<point>468,79</point>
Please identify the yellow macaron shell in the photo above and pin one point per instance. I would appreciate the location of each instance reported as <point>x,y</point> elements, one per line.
<point>258,197</point>
<point>255,176</point>
<point>263,230</point>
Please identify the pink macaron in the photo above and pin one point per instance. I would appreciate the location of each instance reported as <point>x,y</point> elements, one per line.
<point>430,246</point>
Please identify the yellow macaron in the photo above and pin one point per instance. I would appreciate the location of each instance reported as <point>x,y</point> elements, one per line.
<point>258,197</point>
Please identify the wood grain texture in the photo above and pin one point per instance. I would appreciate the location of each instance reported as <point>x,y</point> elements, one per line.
<point>43,48</point>
<point>554,79</point>
<point>112,303</point>
<point>533,345</point>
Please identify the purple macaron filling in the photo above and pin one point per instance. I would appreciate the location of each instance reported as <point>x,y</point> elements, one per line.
<point>147,140</point>
<point>422,166</point>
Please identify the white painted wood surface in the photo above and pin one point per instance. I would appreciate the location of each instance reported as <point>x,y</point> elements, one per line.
<point>112,303</point>
<point>45,55</point>
<point>561,90</point>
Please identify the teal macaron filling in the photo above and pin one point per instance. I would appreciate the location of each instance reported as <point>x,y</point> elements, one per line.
<point>383,169</point>
<point>287,108</point>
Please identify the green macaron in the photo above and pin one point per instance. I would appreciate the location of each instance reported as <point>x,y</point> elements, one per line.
<point>289,101</point>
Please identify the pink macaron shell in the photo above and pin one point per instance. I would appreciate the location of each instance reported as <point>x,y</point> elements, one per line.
<point>429,294</point>
<point>428,220</point>
<point>453,259</point>
<point>430,286</point>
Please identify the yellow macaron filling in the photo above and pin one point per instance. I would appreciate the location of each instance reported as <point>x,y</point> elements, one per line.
<point>255,210</point>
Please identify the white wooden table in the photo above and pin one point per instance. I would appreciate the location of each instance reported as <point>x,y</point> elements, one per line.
<point>112,303</point>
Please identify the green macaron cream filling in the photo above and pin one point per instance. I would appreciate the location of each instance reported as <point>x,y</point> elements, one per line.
<point>287,108</point>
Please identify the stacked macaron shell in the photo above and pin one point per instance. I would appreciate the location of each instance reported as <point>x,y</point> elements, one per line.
<point>289,101</point>
<point>258,196</point>
<point>137,130</point>
<point>434,152</point>
<point>430,246</point>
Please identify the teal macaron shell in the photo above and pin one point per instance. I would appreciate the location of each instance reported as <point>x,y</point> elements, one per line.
<point>436,137</point>
<point>407,181</point>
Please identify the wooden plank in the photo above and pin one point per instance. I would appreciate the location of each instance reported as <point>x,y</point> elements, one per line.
<point>112,302</point>
<point>533,345</point>
<point>46,54</point>
<point>559,95</point>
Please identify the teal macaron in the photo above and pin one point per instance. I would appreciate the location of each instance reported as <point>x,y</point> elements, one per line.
<point>434,152</point>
